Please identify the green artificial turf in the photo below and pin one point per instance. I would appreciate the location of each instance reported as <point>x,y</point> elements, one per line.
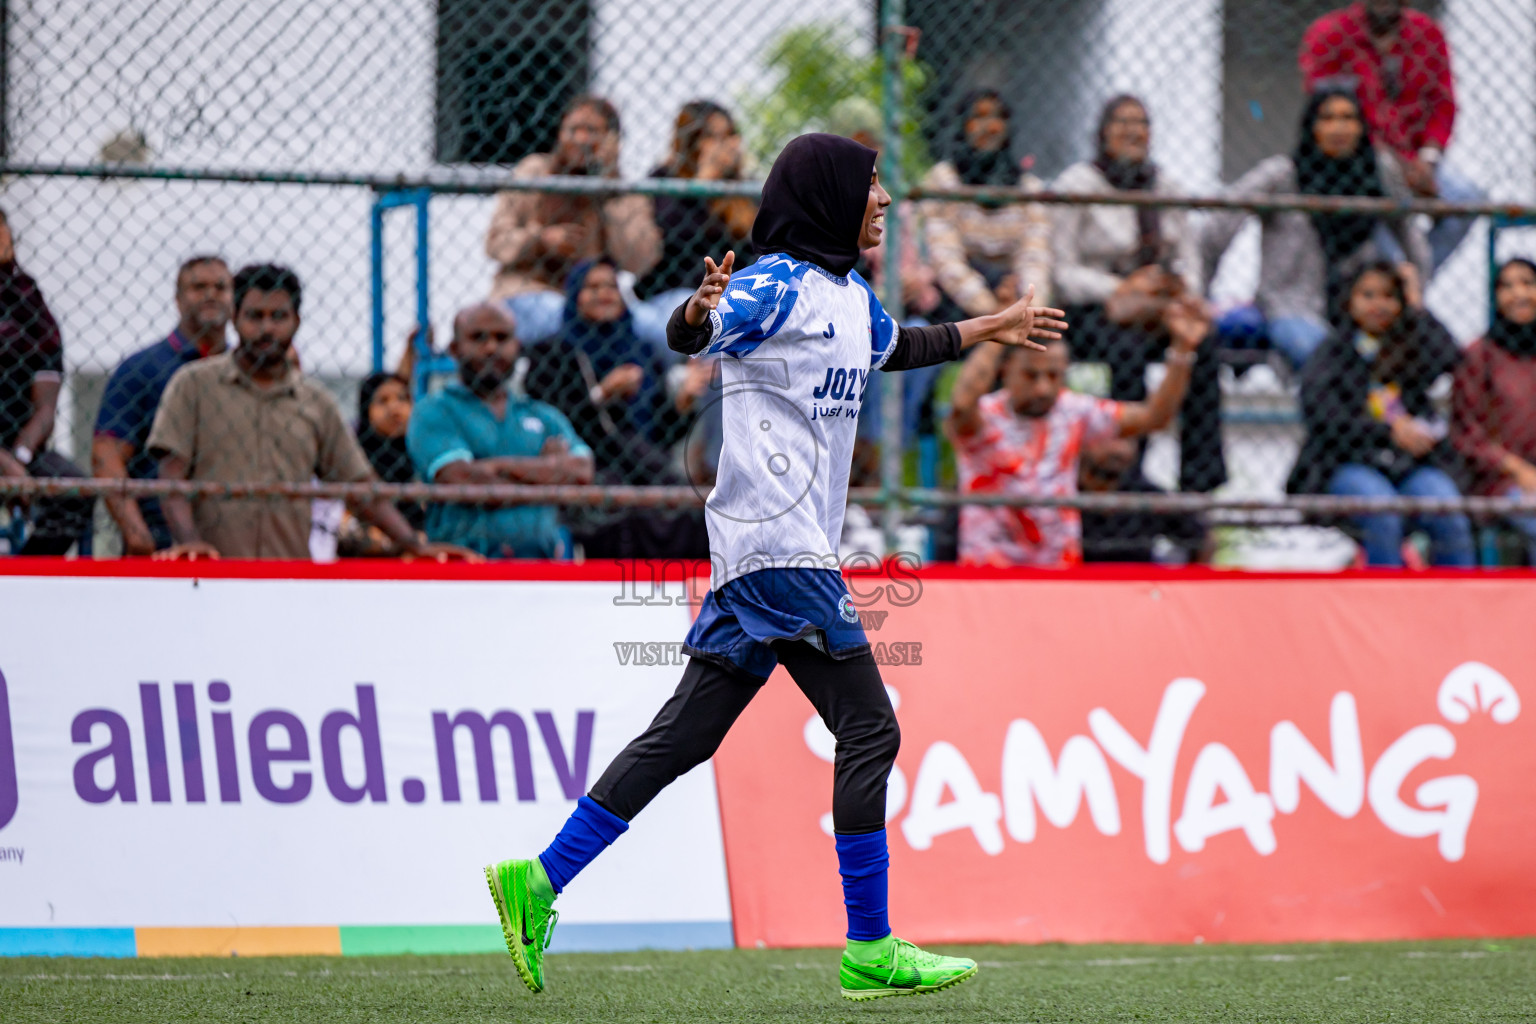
<point>1424,981</point>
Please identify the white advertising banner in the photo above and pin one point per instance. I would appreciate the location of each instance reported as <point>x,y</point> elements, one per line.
<point>252,752</point>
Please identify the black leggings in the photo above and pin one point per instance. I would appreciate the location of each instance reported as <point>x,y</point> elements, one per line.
<point>690,726</point>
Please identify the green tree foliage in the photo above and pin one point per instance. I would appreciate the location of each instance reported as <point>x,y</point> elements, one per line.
<point>818,66</point>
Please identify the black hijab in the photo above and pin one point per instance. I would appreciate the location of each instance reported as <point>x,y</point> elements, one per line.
<point>814,200</point>
<point>1516,339</point>
<point>1132,176</point>
<point>387,455</point>
<point>1318,174</point>
<point>980,167</point>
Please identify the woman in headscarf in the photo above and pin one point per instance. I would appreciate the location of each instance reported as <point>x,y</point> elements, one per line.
<point>608,383</point>
<point>1118,269</point>
<point>985,257</point>
<point>1494,404</point>
<point>383,416</point>
<point>1305,257</point>
<point>799,334</point>
<point>1372,427</point>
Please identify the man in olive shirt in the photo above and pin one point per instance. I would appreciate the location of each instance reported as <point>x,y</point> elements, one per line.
<point>250,416</point>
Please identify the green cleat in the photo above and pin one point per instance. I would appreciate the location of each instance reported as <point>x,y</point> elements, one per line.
<point>904,971</point>
<point>527,920</point>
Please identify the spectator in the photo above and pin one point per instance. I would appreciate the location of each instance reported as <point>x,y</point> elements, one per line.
<point>1305,258</point>
<point>982,255</point>
<point>1109,466</point>
<point>1024,440</point>
<point>608,383</point>
<point>1402,66</point>
<point>706,146</point>
<point>1372,426</point>
<point>204,303</point>
<point>31,374</point>
<point>383,416</point>
<point>538,237</point>
<point>1494,424</point>
<point>250,416</point>
<point>1119,269</point>
<point>476,431</point>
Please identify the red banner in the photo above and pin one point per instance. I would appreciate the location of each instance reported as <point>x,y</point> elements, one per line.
<point>1244,759</point>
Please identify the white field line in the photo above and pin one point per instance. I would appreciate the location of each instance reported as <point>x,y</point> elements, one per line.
<point>1123,961</point>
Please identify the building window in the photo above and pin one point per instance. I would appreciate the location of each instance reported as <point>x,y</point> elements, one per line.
<point>505,71</point>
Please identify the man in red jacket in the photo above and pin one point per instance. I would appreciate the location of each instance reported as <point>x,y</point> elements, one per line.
<point>1402,69</point>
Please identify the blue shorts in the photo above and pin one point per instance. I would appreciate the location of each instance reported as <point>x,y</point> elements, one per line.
<point>737,622</point>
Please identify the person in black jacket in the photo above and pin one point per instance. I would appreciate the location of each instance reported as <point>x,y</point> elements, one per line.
<point>1372,428</point>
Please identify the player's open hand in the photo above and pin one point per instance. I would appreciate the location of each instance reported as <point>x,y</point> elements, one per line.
<point>703,302</point>
<point>1026,324</point>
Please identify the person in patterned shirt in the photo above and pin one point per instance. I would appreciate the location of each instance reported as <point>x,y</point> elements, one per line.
<point>1025,439</point>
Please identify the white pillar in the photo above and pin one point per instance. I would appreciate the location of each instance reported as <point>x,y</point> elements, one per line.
<point>1169,54</point>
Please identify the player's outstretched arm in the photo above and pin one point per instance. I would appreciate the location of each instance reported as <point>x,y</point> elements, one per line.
<point>1022,324</point>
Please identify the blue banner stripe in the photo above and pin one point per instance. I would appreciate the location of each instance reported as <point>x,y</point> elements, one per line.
<point>67,942</point>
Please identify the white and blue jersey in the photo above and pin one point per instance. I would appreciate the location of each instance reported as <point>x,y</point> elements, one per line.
<point>798,346</point>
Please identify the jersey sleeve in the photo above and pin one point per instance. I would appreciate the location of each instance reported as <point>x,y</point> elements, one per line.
<point>755,305</point>
<point>1101,419</point>
<point>882,329</point>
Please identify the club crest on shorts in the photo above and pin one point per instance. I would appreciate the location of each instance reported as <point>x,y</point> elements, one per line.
<point>846,610</point>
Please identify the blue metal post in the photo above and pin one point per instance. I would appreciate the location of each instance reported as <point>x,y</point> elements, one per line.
<point>423,287</point>
<point>376,254</point>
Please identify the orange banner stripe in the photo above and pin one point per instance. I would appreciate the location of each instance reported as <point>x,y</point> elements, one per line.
<point>254,941</point>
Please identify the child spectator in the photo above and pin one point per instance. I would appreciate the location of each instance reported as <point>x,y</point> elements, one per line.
<point>1372,427</point>
<point>383,416</point>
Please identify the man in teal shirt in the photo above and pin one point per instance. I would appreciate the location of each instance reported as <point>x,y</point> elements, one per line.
<point>475,431</point>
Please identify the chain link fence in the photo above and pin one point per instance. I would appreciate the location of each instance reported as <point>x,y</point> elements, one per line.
<point>1287,178</point>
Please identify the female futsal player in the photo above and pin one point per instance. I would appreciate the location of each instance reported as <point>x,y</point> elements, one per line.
<point>800,333</point>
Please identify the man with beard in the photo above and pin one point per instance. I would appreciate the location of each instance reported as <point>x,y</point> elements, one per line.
<point>249,416</point>
<point>1025,439</point>
<point>205,302</point>
<point>476,431</point>
<point>538,237</point>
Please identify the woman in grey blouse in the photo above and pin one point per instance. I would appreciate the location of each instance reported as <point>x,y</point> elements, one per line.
<point>1119,269</point>
<point>1305,256</point>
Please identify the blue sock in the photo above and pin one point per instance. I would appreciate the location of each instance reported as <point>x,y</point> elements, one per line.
<point>587,833</point>
<point>863,861</point>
